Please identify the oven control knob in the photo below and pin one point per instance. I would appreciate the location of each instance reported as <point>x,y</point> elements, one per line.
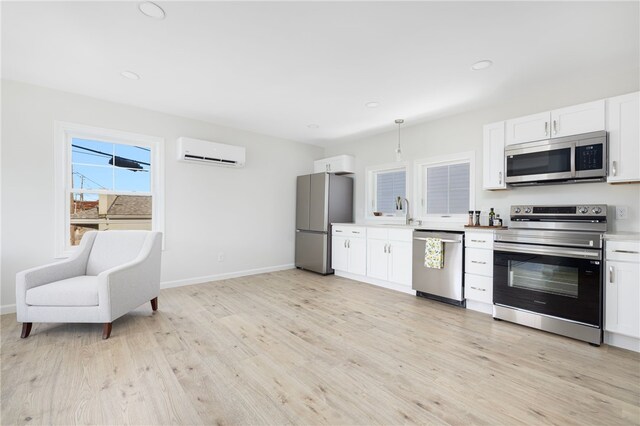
<point>516,210</point>
<point>583,210</point>
<point>596,210</point>
<point>527,210</point>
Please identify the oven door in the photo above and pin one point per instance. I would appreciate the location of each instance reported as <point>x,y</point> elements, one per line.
<point>540,161</point>
<point>556,281</point>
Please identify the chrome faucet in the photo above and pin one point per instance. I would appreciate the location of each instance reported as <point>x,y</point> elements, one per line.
<point>407,218</point>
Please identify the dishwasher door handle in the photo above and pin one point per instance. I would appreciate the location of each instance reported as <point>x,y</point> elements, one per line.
<point>444,241</point>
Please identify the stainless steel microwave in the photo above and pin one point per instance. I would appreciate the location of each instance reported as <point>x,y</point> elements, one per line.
<point>578,158</point>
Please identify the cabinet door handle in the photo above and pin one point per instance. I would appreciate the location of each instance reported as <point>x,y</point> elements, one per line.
<point>546,128</point>
<point>478,241</point>
<point>338,230</point>
<point>345,243</point>
<point>479,263</point>
<point>611,274</point>
<point>555,127</point>
<point>625,251</point>
<point>355,232</point>
<point>479,289</point>
<point>614,169</point>
<point>349,244</point>
<point>389,249</point>
<point>500,178</point>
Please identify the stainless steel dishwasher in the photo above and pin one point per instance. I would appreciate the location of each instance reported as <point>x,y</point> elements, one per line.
<point>446,284</point>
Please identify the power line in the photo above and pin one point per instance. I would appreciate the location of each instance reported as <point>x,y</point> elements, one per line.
<point>115,159</point>
<point>91,180</point>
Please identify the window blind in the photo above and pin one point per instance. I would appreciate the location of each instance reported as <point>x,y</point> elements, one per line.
<point>447,189</point>
<point>389,186</point>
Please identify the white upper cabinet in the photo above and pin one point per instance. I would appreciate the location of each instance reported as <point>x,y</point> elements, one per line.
<point>572,120</point>
<point>340,164</point>
<point>623,124</point>
<point>577,119</point>
<point>493,156</point>
<point>533,127</point>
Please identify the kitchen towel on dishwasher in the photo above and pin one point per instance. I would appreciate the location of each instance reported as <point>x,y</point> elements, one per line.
<point>434,253</point>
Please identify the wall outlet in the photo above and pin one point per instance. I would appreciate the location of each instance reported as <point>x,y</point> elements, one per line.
<point>220,257</point>
<point>621,212</point>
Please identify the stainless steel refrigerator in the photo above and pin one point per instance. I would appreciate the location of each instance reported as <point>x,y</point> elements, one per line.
<point>322,199</point>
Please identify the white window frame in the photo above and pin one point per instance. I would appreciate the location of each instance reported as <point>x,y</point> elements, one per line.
<point>444,160</point>
<point>370,190</point>
<point>64,132</point>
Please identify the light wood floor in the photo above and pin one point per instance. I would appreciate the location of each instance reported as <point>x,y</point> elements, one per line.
<point>296,348</point>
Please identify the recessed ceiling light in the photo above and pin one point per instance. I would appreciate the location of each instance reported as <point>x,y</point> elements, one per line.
<point>481,65</point>
<point>372,104</point>
<point>130,75</point>
<point>312,126</point>
<point>151,10</point>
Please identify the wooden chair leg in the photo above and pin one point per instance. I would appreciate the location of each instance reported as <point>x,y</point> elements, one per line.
<point>106,330</point>
<point>26,329</point>
<point>154,304</point>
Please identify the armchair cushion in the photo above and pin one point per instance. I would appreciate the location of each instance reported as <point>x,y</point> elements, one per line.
<point>77,291</point>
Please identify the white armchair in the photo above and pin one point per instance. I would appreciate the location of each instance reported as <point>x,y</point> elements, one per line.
<point>111,273</point>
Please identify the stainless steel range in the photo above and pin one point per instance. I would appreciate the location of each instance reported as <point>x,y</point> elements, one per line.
<point>548,269</point>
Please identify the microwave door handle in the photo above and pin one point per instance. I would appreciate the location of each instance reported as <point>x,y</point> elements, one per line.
<point>573,160</point>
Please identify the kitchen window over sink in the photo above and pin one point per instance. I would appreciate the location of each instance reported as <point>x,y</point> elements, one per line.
<point>384,185</point>
<point>445,190</point>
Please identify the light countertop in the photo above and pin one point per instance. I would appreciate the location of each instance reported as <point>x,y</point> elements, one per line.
<point>432,226</point>
<point>622,236</point>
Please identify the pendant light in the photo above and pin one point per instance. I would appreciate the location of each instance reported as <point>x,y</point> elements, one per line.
<point>399,122</point>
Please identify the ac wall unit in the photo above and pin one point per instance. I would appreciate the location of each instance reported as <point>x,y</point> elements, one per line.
<point>199,151</point>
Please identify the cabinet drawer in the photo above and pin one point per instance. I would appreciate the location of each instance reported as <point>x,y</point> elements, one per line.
<point>482,240</point>
<point>401,235</point>
<point>478,288</point>
<point>628,251</point>
<point>377,233</point>
<point>349,231</point>
<point>479,261</point>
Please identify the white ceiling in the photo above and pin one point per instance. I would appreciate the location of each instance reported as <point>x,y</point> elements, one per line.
<point>275,68</point>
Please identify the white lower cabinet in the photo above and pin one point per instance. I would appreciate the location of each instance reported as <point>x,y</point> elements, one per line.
<point>400,262</point>
<point>478,270</point>
<point>389,260</point>
<point>377,255</point>
<point>349,250</point>
<point>622,294</point>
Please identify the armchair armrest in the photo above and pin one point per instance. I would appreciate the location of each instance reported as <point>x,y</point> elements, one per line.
<point>74,266</point>
<point>129,285</point>
<point>52,272</point>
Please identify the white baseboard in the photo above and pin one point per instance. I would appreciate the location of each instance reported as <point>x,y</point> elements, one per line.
<point>8,309</point>
<point>375,281</point>
<point>622,341</point>
<point>485,308</point>
<point>225,276</point>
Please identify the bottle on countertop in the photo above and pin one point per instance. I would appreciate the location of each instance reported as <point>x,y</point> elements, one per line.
<point>497,221</point>
<point>470,218</point>
<point>477,218</point>
<point>492,216</point>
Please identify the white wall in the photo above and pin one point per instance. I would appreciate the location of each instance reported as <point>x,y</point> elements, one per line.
<point>248,214</point>
<point>464,133</point>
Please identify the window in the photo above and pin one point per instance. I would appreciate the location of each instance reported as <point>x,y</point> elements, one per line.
<point>384,185</point>
<point>106,180</point>
<point>445,186</point>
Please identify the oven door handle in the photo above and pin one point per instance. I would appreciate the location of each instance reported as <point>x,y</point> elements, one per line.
<point>547,250</point>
